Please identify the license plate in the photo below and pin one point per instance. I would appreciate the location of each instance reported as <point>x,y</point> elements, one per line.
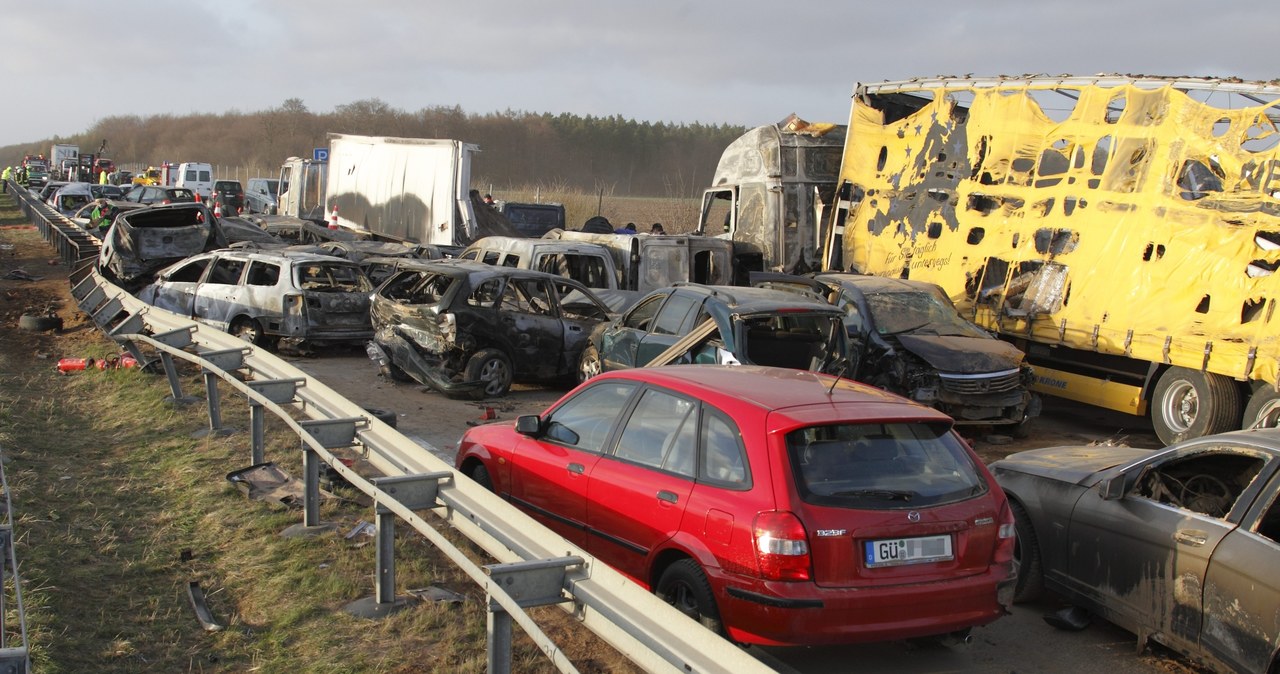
<point>895,551</point>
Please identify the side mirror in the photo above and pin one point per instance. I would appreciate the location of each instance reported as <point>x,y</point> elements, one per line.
<point>1112,488</point>
<point>528,424</point>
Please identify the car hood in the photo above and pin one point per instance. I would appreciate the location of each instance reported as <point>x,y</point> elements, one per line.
<point>1076,465</point>
<point>962,355</point>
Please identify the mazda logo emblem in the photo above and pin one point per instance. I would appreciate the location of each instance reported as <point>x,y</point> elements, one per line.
<point>913,516</point>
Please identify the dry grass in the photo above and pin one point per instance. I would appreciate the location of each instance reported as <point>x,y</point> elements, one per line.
<point>118,507</point>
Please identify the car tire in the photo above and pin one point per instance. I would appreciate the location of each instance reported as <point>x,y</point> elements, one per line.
<point>493,368</point>
<point>248,329</point>
<point>40,323</point>
<point>480,475</point>
<point>1191,404</point>
<point>589,363</point>
<point>1026,557</point>
<point>387,417</point>
<point>685,586</point>
<point>1264,407</point>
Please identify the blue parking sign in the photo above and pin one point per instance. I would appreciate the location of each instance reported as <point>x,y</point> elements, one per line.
<point>320,154</point>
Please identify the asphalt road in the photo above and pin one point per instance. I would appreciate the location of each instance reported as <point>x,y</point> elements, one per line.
<point>1021,642</point>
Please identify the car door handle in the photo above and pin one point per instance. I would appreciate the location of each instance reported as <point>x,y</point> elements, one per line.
<point>577,468</point>
<point>668,496</point>
<point>1192,538</point>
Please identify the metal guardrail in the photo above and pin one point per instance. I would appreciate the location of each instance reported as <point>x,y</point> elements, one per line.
<point>535,566</point>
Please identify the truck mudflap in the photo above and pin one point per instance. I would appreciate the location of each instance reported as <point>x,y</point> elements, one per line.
<point>390,348</point>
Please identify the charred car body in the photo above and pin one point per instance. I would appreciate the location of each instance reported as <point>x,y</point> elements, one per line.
<point>470,329</point>
<point>1179,546</point>
<point>906,337</point>
<point>143,241</point>
<point>263,297</point>
<point>692,323</point>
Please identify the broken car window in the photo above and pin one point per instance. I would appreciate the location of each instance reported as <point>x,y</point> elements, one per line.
<point>1207,482</point>
<point>332,278</point>
<point>226,271</point>
<point>263,274</point>
<point>486,294</point>
<point>897,313</point>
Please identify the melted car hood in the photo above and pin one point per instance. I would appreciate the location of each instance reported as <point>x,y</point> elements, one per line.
<point>1070,464</point>
<point>962,355</point>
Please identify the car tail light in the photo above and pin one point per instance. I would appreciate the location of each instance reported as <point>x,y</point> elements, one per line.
<point>164,201</point>
<point>782,548</point>
<point>1006,536</point>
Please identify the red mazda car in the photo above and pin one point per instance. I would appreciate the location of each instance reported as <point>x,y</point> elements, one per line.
<point>778,506</point>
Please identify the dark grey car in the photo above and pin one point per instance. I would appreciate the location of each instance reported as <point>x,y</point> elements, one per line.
<point>906,337</point>
<point>693,323</point>
<point>467,328</point>
<point>1180,546</point>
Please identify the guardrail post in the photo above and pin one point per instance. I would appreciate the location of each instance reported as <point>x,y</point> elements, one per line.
<point>414,492</point>
<point>538,582</point>
<point>277,391</point>
<point>311,524</point>
<point>225,360</point>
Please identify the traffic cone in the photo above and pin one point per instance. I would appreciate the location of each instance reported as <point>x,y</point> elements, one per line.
<point>217,209</point>
<point>333,218</point>
<point>197,197</point>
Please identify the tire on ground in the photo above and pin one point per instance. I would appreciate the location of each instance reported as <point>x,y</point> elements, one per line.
<point>387,417</point>
<point>1189,404</point>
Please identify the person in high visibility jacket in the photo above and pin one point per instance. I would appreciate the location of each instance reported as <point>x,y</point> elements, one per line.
<point>5,176</point>
<point>102,177</point>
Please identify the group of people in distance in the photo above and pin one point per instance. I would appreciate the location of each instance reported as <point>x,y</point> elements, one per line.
<point>600,225</point>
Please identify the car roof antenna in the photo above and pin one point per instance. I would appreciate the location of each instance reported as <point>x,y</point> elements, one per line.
<point>840,372</point>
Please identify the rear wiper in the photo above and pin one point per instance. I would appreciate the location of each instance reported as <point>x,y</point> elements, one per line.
<point>886,494</point>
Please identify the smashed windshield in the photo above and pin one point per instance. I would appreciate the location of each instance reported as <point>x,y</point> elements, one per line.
<point>898,312</point>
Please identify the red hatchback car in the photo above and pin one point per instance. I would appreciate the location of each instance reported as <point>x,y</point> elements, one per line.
<point>779,506</point>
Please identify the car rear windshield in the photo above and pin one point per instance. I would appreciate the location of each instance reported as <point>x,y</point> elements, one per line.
<point>417,287</point>
<point>882,465</point>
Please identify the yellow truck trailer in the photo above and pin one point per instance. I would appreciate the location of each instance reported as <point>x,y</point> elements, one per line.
<point>1124,231</point>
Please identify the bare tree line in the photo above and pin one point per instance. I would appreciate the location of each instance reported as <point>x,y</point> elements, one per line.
<point>518,149</point>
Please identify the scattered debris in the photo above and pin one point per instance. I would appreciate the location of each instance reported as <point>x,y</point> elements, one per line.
<point>997,439</point>
<point>437,594</point>
<point>1071,618</point>
<point>268,482</point>
<point>124,360</point>
<point>20,275</point>
<point>362,528</point>
<point>196,595</point>
<point>40,322</point>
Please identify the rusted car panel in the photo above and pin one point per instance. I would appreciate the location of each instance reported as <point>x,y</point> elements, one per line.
<point>908,338</point>
<point>144,240</point>
<point>1179,546</point>
<point>263,297</point>
<point>467,328</point>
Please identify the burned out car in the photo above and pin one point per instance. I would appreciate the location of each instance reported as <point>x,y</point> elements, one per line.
<point>1179,545</point>
<point>265,297</point>
<point>470,329</point>
<point>145,240</point>
<point>906,337</point>
<point>693,323</point>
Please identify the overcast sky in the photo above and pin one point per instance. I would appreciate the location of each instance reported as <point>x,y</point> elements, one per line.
<point>69,63</point>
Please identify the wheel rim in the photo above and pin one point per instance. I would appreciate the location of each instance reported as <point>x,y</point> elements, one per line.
<point>680,595</point>
<point>247,331</point>
<point>1268,416</point>
<point>495,374</point>
<point>590,366</point>
<point>1181,406</point>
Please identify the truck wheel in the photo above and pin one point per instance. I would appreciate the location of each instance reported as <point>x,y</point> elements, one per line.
<point>589,363</point>
<point>1263,409</point>
<point>493,368</point>
<point>1190,404</point>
